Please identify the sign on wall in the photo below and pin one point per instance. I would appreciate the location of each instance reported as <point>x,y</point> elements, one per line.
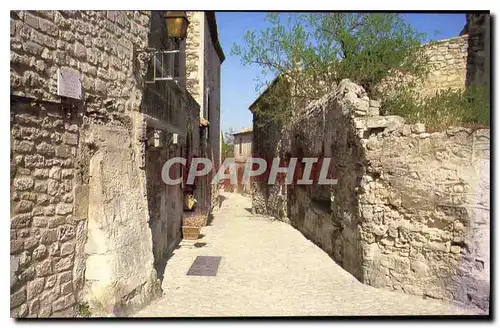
<point>69,83</point>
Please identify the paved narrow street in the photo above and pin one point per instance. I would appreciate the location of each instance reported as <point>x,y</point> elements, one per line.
<point>269,269</point>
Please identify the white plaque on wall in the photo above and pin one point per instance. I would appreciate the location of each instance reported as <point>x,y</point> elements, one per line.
<point>69,83</point>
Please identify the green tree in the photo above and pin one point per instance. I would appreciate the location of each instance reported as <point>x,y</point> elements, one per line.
<point>228,135</point>
<point>227,144</point>
<point>312,52</point>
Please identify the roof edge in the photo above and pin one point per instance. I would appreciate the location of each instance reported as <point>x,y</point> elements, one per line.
<point>266,90</point>
<point>212,27</point>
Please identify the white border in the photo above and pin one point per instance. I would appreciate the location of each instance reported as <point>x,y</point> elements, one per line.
<point>207,5</point>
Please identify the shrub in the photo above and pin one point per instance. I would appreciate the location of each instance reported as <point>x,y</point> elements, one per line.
<point>446,108</point>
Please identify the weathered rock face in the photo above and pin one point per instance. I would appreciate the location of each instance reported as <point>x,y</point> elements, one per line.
<point>428,195</point>
<point>118,251</point>
<point>410,210</point>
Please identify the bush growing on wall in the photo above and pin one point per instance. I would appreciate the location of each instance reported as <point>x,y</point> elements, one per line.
<point>444,109</point>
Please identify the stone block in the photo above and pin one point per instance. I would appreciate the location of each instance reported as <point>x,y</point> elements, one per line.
<point>44,268</point>
<point>51,281</point>
<point>34,161</point>
<point>67,288</point>
<point>64,209</point>
<point>63,302</point>
<point>81,201</point>
<point>67,248</point>
<point>24,146</point>
<point>40,221</point>
<point>40,252</point>
<point>65,277</point>
<point>27,274</point>
<point>21,220</point>
<point>66,232</point>
<point>418,128</point>
<point>35,287</point>
<point>48,236</point>
<point>56,221</point>
<point>48,27</point>
<point>30,243</point>
<point>41,186</point>
<point>23,183</point>
<point>63,264</point>
<point>45,311</point>
<point>31,20</point>
<point>17,298</point>
<point>34,307</point>
<point>63,151</point>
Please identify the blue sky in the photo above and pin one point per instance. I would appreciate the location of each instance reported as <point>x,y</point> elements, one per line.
<point>238,81</point>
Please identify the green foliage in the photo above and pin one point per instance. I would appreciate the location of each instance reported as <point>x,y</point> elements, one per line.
<point>275,107</point>
<point>229,137</point>
<point>446,108</point>
<point>84,310</point>
<point>312,52</point>
<point>227,149</point>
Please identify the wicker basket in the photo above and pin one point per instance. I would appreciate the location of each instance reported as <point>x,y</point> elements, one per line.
<point>195,221</point>
<point>190,233</point>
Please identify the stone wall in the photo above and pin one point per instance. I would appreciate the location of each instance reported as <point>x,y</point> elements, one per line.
<point>447,67</point>
<point>44,231</point>
<point>410,210</point>
<point>194,54</point>
<point>79,167</point>
<point>119,254</point>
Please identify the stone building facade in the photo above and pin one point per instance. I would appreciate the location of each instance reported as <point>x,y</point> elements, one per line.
<point>242,150</point>
<point>204,57</point>
<point>90,224</point>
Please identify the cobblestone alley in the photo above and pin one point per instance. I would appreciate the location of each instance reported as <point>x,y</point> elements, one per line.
<point>269,269</point>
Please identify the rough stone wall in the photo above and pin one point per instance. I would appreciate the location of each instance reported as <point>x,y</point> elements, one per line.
<point>44,230</point>
<point>447,67</point>
<point>119,258</point>
<point>426,211</point>
<point>100,44</point>
<point>194,54</point>
<point>410,210</point>
<point>107,49</point>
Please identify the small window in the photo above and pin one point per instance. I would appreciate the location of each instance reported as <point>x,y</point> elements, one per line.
<point>240,145</point>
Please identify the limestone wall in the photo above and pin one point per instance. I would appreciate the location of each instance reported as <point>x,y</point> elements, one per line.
<point>194,54</point>
<point>447,67</point>
<point>44,230</point>
<point>410,210</point>
<point>99,44</point>
<point>425,212</point>
<point>78,167</point>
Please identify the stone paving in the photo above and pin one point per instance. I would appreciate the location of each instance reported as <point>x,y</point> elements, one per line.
<point>269,269</point>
